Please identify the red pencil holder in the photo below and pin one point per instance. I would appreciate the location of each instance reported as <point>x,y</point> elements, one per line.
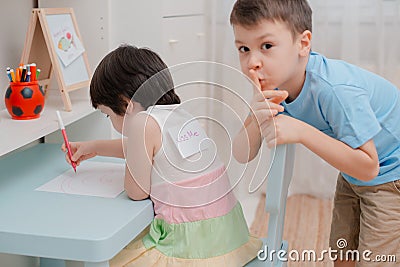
<point>24,100</point>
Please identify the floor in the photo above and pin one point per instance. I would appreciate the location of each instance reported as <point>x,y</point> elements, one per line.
<point>307,226</point>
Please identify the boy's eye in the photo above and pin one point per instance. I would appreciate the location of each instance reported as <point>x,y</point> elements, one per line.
<point>243,49</point>
<point>266,46</point>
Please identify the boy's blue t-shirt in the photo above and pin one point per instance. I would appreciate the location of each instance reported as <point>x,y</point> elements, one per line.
<point>352,105</point>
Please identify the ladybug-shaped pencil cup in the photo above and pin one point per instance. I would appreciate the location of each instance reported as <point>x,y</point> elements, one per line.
<point>24,100</point>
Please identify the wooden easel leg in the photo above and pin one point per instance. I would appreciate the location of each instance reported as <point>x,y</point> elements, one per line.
<point>66,100</point>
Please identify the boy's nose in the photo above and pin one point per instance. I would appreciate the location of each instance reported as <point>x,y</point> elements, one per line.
<point>254,62</point>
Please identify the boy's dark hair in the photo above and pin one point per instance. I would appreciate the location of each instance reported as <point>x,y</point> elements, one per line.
<point>123,71</point>
<point>297,14</point>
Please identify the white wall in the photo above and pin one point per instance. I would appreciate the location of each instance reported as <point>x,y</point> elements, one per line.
<point>362,32</point>
<point>14,17</point>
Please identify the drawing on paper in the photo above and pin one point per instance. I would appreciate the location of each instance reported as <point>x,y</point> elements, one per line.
<point>102,179</point>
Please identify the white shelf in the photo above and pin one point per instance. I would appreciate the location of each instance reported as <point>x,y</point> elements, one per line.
<point>17,133</point>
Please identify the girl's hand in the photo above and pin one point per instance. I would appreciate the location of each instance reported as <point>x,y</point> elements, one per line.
<point>283,130</point>
<point>265,104</point>
<point>80,151</point>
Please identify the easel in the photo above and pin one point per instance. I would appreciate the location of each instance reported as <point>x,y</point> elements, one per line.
<point>39,48</point>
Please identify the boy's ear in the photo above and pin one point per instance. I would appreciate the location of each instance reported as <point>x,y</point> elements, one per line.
<point>305,43</point>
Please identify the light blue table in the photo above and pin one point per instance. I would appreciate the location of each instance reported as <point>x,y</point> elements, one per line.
<point>61,226</point>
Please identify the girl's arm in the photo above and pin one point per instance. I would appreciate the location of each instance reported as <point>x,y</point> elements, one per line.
<point>109,148</point>
<point>143,137</point>
<point>85,150</point>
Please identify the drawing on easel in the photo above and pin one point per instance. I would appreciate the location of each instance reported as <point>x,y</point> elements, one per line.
<point>101,179</point>
<point>67,43</point>
<point>53,41</point>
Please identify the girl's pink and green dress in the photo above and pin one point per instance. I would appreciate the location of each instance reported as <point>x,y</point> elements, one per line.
<point>198,220</point>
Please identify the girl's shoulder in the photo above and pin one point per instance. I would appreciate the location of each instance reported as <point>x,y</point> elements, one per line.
<point>143,134</point>
<point>146,122</point>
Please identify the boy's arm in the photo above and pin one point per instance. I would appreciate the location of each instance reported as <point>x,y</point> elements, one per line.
<point>264,106</point>
<point>349,113</point>
<point>361,163</point>
<point>248,141</point>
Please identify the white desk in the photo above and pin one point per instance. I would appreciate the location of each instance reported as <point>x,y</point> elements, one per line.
<point>61,226</point>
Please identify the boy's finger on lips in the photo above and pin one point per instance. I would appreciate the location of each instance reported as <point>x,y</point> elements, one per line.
<point>269,106</point>
<point>273,93</point>
<point>254,78</point>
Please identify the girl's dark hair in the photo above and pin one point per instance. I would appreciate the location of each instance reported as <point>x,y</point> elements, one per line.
<point>122,72</point>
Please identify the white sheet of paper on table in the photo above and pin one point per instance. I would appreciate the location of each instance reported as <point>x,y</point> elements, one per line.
<point>101,179</point>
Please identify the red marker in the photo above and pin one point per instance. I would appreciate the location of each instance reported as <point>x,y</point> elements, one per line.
<point>64,133</point>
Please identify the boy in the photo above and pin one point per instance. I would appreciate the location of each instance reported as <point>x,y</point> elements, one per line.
<point>344,114</point>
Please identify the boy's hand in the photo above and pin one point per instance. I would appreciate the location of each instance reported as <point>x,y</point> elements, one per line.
<point>265,104</point>
<point>283,130</point>
<point>80,151</point>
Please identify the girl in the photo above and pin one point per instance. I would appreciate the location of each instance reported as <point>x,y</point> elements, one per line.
<point>198,221</point>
